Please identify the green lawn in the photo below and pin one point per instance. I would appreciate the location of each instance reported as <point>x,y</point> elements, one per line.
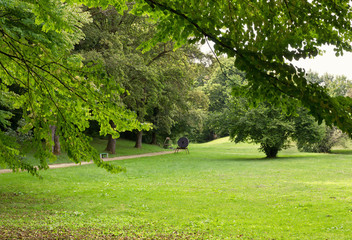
<point>123,148</point>
<point>220,190</point>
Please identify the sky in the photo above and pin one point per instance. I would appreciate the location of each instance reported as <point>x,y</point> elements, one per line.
<point>327,63</point>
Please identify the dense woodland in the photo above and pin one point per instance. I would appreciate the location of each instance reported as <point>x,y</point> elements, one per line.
<point>70,72</point>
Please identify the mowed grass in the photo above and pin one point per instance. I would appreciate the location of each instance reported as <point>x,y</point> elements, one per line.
<point>123,148</point>
<point>220,190</point>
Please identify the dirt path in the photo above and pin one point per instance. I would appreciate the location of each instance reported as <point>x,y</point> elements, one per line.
<point>63,165</point>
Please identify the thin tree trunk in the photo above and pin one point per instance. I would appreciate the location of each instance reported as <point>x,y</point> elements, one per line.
<point>111,146</point>
<point>139,140</point>
<point>154,138</point>
<point>56,148</point>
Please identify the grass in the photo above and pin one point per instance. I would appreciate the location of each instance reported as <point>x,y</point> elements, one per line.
<point>220,190</point>
<point>123,148</point>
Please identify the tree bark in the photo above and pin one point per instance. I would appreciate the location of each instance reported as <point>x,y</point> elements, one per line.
<point>56,148</point>
<point>270,152</point>
<point>154,138</point>
<point>111,146</point>
<point>139,140</point>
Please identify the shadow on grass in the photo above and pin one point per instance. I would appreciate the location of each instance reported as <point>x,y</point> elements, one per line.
<point>342,151</point>
<point>260,159</point>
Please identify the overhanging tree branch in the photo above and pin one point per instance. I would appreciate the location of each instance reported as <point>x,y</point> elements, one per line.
<point>192,22</point>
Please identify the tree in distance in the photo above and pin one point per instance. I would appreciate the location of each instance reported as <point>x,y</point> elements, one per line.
<point>231,113</point>
<point>37,39</point>
<point>263,36</point>
<point>155,82</point>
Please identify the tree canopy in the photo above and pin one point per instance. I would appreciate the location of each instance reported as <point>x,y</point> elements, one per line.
<point>263,36</point>
<point>157,81</point>
<point>55,87</point>
<point>264,124</point>
<point>37,39</point>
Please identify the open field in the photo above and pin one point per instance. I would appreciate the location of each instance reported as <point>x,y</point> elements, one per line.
<point>220,190</point>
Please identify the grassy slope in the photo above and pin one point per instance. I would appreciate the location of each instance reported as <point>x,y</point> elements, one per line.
<point>220,190</point>
<point>123,148</point>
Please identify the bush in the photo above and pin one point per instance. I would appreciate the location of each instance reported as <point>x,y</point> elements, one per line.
<point>332,137</point>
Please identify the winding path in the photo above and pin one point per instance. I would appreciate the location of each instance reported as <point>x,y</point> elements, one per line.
<point>63,165</point>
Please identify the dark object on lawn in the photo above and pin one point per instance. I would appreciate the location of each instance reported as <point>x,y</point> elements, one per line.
<point>182,144</point>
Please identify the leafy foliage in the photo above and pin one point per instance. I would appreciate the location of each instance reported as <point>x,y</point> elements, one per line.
<point>262,36</point>
<point>264,125</point>
<point>308,133</point>
<point>38,37</point>
<point>35,54</point>
<point>156,82</point>
<point>326,137</point>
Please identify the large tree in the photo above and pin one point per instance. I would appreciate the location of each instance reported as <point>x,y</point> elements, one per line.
<point>264,124</point>
<point>155,81</point>
<point>35,55</point>
<point>263,36</point>
<point>219,87</point>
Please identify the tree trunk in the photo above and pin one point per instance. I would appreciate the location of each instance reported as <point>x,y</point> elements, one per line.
<point>139,140</point>
<point>270,152</point>
<point>111,146</point>
<point>154,138</point>
<point>56,148</point>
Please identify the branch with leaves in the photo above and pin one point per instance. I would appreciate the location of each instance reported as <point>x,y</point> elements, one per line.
<point>36,56</point>
<point>264,37</point>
